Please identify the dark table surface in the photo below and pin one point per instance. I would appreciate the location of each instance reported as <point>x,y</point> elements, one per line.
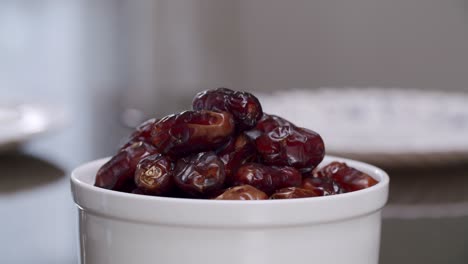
<point>38,222</point>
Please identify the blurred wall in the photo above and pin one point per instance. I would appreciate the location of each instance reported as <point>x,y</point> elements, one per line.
<point>104,59</point>
<point>177,48</point>
<point>190,45</point>
<point>405,43</point>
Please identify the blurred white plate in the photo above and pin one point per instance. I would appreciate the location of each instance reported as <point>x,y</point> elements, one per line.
<point>19,123</point>
<point>384,126</point>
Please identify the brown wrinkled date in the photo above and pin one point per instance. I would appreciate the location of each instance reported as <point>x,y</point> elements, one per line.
<point>291,146</point>
<point>200,175</point>
<point>243,192</point>
<point>141,133</point>
<point>154,175</point>
<point>293,193</point>
<point>226,149</point>
<point>324,186</point>
<point>238,151</point>
<point>348,179</point>
<point>245,107</point>
<point>118,173</point>
<point>192,132</point>
<point>266,124</point>
<point>266,178</point>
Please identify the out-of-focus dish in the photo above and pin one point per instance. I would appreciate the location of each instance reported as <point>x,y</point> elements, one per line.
<point>383,126</point>
<point>19,123</point>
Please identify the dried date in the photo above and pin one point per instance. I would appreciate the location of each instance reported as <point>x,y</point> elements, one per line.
<point>266,178</point>
<point>349,179</point>
<point>293,193</point>
<point>235,153</point>
<point>244,106</point>
<point>200,175</point>
<point>154,175</point>
<point>291,146</point>
<point>118,173</point>
<point>191,132</point>
<point>244,192</point>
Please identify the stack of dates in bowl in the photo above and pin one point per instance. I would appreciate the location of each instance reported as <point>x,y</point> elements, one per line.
<point>176,193</point>
<point>226,148</point>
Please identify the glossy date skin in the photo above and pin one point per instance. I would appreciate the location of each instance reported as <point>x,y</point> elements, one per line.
<point>118,173</point>
<point>347,178</point>
<point>267,178</point>
<point>300,148</point>
<point>190,132</point>
<point>154,175</point>
<point>267,123</point>
<point>141,133</point>
<point>293,193</point>
<point>237,152</point>
<point>243,192</point>
<point>244,106</point>
<point>226,149</point>
<point>322,186</point>
<point>200,175</point>
<point>270,122</point>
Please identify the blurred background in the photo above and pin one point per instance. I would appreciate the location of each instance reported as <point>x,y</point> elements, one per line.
<point>82,74</point>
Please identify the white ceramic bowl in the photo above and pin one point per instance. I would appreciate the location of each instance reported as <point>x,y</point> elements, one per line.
<point>121,228</point>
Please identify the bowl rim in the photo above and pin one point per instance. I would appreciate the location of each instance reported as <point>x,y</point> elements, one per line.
<point>201,213</point>
<point>383,182</point>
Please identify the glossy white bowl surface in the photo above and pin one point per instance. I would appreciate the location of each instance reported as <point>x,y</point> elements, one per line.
<point>126,228</point>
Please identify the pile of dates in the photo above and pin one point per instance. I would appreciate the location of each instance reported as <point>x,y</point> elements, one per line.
<point>226,148</point>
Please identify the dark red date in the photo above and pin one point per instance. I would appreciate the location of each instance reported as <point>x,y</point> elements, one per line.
<point>266,178</point>
<point>349,179</point>
<point>323,186</point>
<point>244,192</point>
<point>118,173</point>
<point>290,146</point>
<point>141,133</point>
<point>267,124</point>
<point>154,175</point>
<point>293,193</point>
<point>192,131</point>
<point>244,106</point>
<point>270,122</point>
<point>200,175</point>
<point>235,153</point>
